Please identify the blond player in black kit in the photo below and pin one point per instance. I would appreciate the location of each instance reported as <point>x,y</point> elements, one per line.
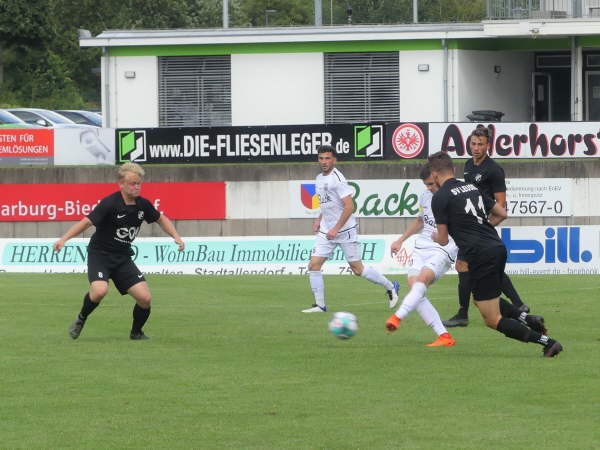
<point>462,212</point>
<point>117,219</point>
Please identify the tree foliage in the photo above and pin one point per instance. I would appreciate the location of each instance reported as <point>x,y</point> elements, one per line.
<point>41,63</point>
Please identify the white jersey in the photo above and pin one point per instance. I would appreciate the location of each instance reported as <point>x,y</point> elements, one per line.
<point>331,189</point>
<point>429,227</point>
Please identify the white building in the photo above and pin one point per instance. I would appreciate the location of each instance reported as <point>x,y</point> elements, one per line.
<point>530,69</point>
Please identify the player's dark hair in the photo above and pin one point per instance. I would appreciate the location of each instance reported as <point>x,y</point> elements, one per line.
<point>326,149</point>
<point>483,131</point>
<point>425,172</point>
<point>440,162</point>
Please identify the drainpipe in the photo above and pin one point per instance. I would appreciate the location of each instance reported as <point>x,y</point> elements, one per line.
<point>445,76</point>
<point>225,14</point>
<point>575,81</point>
<point>106,110</point>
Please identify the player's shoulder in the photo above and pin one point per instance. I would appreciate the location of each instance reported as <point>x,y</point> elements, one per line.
<point>425,197</point>
<point>114,199</point>
<point>337,175</point>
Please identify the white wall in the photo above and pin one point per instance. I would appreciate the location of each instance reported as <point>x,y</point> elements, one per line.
<point>133,102</point>
<point>277,89</point>
<point>421,93</point>
<point>478,87</point>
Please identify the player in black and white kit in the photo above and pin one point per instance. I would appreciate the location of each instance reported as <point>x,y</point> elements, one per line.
<point>336,226</point>
<point>463,213</point>
<point>488,176</point>
<point>117,219</point>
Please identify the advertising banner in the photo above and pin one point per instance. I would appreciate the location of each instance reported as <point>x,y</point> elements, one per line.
<point>285,143</point>
<point>521,140</point>
<point>525,197</point>
<point>26,147</point>
<point>84,146</point>
<point>531,251</point>
<point>372,198</point>
<point>60,202</point>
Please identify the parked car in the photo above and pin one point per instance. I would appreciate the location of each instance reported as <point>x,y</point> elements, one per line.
<point>81,116</point>
<point>8,120</point>
<point>44,117</point>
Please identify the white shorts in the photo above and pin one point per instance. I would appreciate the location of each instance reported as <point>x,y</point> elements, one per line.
<point>435,259</point>
<point>346,240</point>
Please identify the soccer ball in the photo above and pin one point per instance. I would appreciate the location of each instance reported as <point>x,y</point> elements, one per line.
<point>343,325</point>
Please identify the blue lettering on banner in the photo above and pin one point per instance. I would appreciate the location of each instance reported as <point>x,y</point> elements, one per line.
<point>562,244</point>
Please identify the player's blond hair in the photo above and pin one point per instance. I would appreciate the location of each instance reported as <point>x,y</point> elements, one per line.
<point>130,167</point>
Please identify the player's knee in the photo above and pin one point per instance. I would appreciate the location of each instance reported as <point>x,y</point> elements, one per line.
<point>97,293</point>
<point>358,271</point>
<point>144,301</point>
<point>461,266</point>
<point>492,322</point>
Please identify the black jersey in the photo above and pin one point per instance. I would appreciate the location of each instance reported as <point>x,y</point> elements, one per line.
<point>488,177</point>
<point>462,208</point>
<point>117,224</point>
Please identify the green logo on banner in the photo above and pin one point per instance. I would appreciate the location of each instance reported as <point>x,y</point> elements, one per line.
<point>132,145</point>
<point>368,141</point>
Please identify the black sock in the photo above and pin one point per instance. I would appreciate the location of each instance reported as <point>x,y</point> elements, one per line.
<point>140,316</point>
<point>510,291</point>
<point>88,307</point>
<point>464,293</point>
<point>509,310</point>
<point>514,329</point>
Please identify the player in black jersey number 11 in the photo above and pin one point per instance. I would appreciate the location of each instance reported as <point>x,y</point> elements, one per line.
<point>462,212</point>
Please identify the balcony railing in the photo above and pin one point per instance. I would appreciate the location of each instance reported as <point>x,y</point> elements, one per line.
<point>542,9</point>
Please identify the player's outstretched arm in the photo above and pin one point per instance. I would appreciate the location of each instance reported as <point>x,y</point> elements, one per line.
<point>415,226</point>
<point>165,223</point>
<point>76,229</point>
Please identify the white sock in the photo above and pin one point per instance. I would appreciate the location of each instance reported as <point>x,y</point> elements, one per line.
<point>375,277</point>
<point>318,286</point>
<point>411,300</point>
<point>430,316</point>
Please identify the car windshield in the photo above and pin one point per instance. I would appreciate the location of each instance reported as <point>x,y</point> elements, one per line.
<point>52,116</point>
<point>6,117</point>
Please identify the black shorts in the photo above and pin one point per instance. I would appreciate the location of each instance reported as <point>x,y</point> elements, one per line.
<point>120,268</point>
<point>486,269</point>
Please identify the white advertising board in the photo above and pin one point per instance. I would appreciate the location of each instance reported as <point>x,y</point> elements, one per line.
<point>526,197</point>
<point>84,146</point>
<point>531,250</point>
<point>521,140</point>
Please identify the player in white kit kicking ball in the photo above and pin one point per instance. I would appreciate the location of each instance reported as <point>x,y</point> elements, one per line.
<point>430,261</point>
<point>336,226</point>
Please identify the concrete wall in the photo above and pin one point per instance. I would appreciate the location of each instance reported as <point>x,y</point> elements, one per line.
<point>282,89</point>
<point>133,102</point>
<point>258,225</point>
<point>478,87</point>
<point>421,93</point>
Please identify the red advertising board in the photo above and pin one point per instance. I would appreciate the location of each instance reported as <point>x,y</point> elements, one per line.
<point>26,146</point>
<point>59,202</point>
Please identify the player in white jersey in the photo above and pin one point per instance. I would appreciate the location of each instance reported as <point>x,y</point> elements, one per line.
<point>336,226</point>
<point>430,261</point>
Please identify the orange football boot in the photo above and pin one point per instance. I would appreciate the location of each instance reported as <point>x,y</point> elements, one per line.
<point>443,340</point>
<point>392,323</point>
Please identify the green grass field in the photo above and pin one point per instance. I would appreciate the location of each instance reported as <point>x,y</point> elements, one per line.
<point>232,363</point>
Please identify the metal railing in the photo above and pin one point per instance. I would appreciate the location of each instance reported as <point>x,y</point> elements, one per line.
<point>541,9</point>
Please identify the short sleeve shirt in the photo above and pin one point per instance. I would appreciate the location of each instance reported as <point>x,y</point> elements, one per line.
<point>331,189</point>
<point>463,209</point>
<point>117,224</point>
<point>429,225</point>
<point>488,177</point>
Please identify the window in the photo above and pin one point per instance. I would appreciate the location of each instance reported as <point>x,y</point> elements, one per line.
<point>362,87</point>
<point>194,91</point>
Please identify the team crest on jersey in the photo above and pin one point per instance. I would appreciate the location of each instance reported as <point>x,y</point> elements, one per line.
<point>140,215</point>
<point>100,275</point>
<point>478,178</point>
